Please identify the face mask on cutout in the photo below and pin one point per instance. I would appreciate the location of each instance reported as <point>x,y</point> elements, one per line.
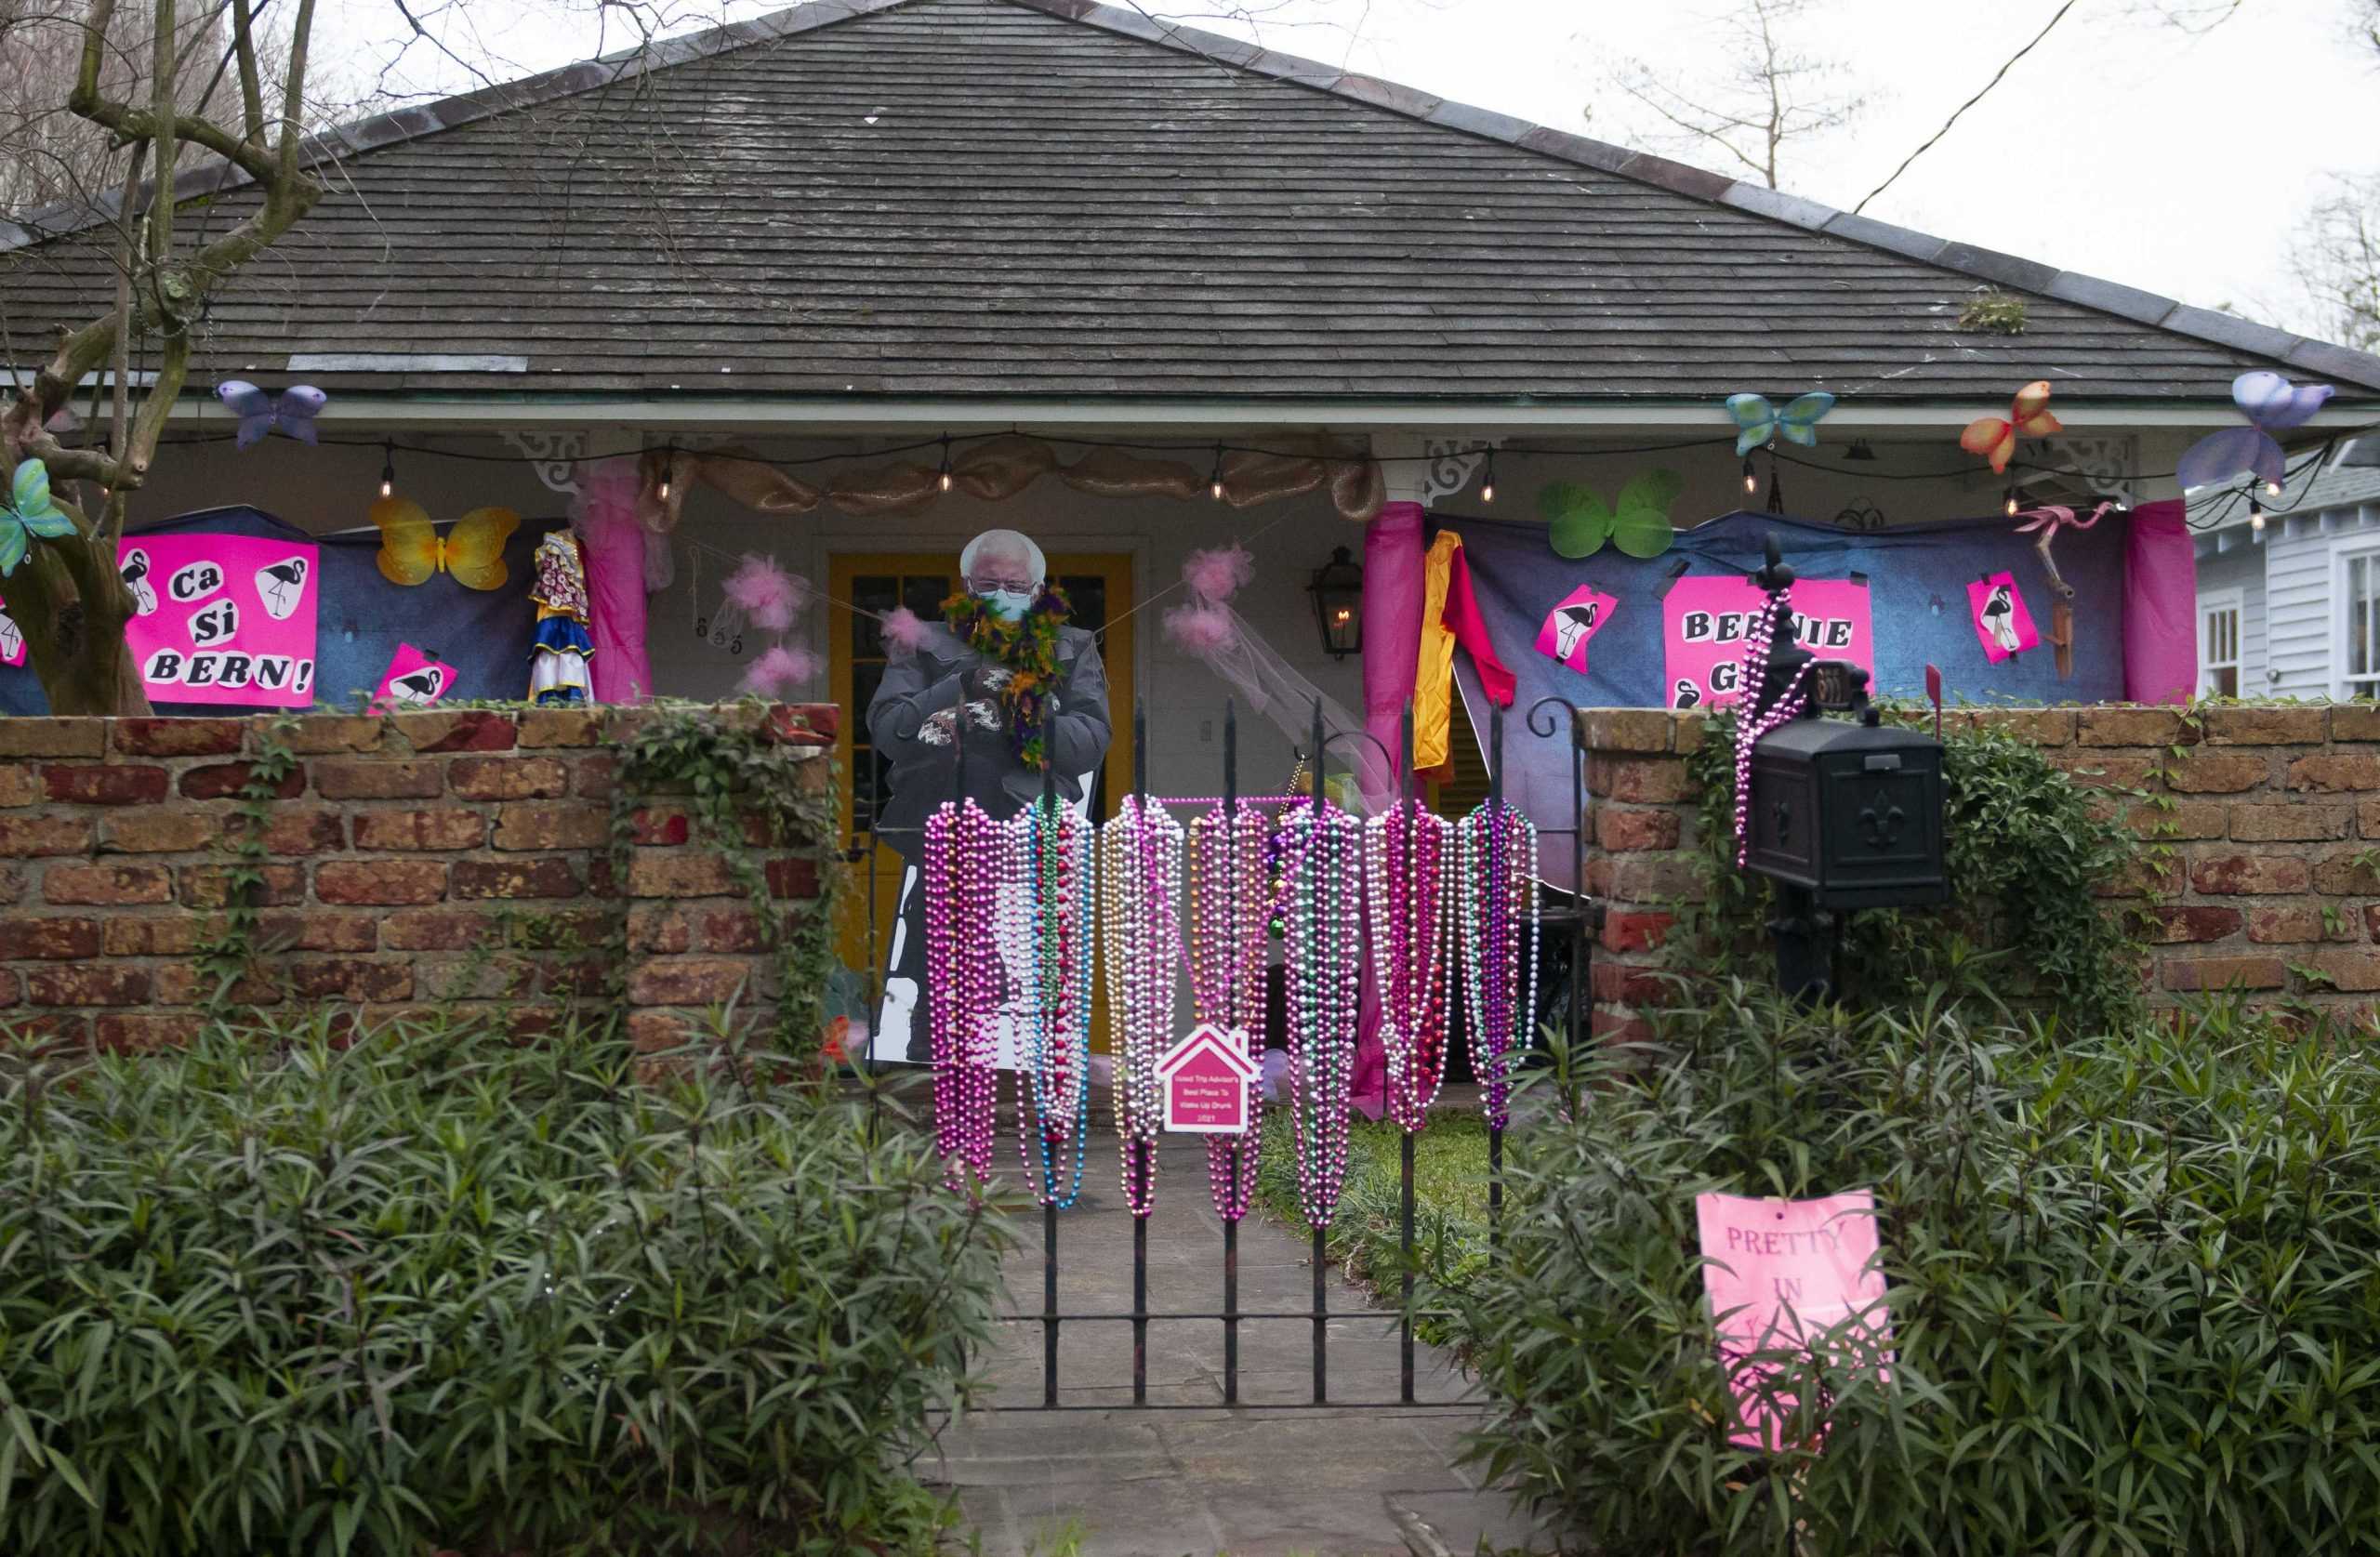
<point>1006,604</point>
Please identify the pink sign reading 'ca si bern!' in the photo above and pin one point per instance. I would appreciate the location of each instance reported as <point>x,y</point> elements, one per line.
<point>1789,1276</point>
<point>1706,622</point>
<point>221,618</point>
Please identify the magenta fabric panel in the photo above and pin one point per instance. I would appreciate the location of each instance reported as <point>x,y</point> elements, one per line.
<point>612,542</point>
<point>2160,606</point>
<point>1392,630</point>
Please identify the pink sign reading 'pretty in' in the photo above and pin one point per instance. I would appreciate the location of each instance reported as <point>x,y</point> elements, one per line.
<point>221,618</point>
<point>1706,622</point>
<point>1780,1274</point>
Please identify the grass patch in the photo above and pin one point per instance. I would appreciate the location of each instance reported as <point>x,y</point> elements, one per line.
<point>1450,1202</point>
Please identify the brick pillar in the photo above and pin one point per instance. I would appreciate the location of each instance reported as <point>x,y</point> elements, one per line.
<point>1641,834</point>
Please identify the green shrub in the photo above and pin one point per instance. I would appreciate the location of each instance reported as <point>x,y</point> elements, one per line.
<point>438,1290</point>
<point>2133,1292</point>
<point>2026,851</point>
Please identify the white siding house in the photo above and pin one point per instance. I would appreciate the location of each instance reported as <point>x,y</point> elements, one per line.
<point>2297,605</point>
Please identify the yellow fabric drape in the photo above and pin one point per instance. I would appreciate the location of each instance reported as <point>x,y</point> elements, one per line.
<point>1433,678</point>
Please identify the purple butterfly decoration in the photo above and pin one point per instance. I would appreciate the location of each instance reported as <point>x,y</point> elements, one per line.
<point>291,413</point>
<point>2274,405</point>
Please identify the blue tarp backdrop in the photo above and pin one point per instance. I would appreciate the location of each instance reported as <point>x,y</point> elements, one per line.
<point>484,634</point>
<point>1917,578</point>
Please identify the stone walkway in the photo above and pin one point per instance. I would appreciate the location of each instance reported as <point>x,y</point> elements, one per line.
<point>1196,1479</point>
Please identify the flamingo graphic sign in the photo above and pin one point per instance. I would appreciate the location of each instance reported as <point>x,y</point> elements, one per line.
<point>222,618</point>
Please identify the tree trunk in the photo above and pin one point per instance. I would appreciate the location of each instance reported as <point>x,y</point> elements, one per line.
<point>74,636</point>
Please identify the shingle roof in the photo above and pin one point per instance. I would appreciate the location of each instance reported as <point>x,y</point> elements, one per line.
<point>1051,197</point>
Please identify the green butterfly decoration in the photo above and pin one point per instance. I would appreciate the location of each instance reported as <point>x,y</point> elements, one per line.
<point>29,512</point>
<point>1578,524</point>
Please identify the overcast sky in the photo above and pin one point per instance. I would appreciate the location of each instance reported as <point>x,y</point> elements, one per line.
<point>2122,147</point>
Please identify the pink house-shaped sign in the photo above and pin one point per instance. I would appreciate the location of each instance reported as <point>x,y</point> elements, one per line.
<point>1205,1078</point>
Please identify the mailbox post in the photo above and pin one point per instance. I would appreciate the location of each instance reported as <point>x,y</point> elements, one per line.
<point>1843,813</point>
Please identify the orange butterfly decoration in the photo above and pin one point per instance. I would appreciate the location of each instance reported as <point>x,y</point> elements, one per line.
<point>1995,438</point>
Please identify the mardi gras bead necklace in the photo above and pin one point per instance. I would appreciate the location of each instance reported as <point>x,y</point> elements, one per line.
<point>1325,966</point>
<point>1140,875</point>
<point>1756,721</point>
<point>1026,648</point>
<point>1412,920</point>
<point>1045,899</point>
<point>1496,846</point>
<point>1046,936</point>
<point>1229,910</point>
<point>963,982</point>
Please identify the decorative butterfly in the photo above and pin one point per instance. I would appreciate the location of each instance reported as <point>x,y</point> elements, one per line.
<point>411,550</point>
<point>1761,423</point>
<point>291,413</point>
<point>2274,405</point>
<point>30,513</point>
<point>1578,524</point>
<point>1995,438</point>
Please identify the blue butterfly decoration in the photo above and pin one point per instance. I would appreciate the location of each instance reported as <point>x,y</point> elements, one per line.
<point>30,513</point>
<point>1759,422</point>
<point>291,413</point>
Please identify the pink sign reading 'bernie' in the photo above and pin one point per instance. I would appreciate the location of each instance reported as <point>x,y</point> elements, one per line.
<point>1780,1275</point>
<point>1706,622</point>
<point>221,618</point>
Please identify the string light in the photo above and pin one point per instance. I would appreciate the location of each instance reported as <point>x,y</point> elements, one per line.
<point>1752,480</point>
<point>2272,489</point>
<point>2255,516</point>
<point>668,459</point>
<point>1488,486</point>
<point>1215,483</point>
<point>2008,503</point>
<point>387,471</point>
<point>945,462</point>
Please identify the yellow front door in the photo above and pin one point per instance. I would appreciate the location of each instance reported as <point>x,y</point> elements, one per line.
<point>1099,585</point>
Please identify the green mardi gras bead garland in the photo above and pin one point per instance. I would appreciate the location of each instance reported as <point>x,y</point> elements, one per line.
<point>1027,649</point>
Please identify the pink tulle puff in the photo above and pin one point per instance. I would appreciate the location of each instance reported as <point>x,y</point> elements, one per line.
<point>905,630</point>
<point>1216,576</point>
<point>778,670</point>
<point>1201,629</point>
<point>766,593</point>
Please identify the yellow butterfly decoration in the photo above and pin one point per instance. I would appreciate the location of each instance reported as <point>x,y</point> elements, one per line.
<point>411,550</point>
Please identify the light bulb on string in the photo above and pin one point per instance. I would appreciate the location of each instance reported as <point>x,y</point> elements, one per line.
<point>1752,480</point>
<point>945,462</point>
<point>387,471</point>
<point>1215,483</point>
<point>2255,516</point>
<point>668,459</point>
<point>2008,503</point>
<point>1487,485</point>
<point>2272,489</point>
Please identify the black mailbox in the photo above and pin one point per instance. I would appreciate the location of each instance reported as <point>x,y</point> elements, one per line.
<point>1851,813</point>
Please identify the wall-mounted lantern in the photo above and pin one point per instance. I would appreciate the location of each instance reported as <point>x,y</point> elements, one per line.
<point>1337,591</point>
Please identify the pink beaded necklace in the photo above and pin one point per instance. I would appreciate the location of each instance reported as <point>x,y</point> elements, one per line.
<point>1229,910</point>
<point>1411,922</point>
<point>1754,721</point>
<point>1139,873</point>
<point>963,983</point>
<point>1497,845</point>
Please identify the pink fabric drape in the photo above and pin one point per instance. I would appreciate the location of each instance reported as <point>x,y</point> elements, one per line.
<point>1392,627</point>
<point>613,542</point>
<point>2160,606</point>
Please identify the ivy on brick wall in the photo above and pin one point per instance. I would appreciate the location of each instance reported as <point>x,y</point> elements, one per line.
<point>2029,857</point>
<point>752,796</point>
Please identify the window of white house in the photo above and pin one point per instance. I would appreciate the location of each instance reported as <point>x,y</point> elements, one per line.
<point>2218,644</point>
<point>2360,625</point>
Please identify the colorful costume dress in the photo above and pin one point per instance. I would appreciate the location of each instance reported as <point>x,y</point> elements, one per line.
<point>563,645</point>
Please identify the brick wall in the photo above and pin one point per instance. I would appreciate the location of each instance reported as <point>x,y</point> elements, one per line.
<point>412,861</point>
<point>2270,816</point>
